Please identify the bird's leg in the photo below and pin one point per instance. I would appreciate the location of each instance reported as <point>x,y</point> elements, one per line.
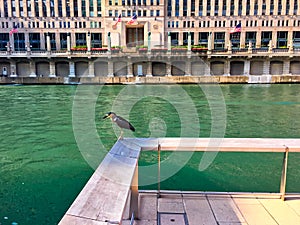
<point>121,135</point>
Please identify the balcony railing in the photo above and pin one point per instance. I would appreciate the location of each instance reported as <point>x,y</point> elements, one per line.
<point>155,51</point>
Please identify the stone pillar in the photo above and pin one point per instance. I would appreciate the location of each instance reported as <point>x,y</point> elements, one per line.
<point>247,68</point>
<point>209,42</point>
<point>250,48</point>
<point>88,42</point>
<point>274,39</point>
<point>91,69</point>
<point>149,69</point>
<point>169,68</point>
<point>242,39</point>
<point>189,41</point>
<point>169,42</point>
<point>68,42</point>
<point>149,42</point>
<point>207,68</point>
<point>109,42</point>
<point>129,67</point>
<point>48,43</point>
<point>12,42</point>
<point>229,47</point>
<point>286,67</point>
<point>270,46</point>
<point>32,69</point>
<point>180,38</point>
<point>110,69</point>
<point>258,39</point>
<point>227,68</point>
<point>43,44</point>
<point>188,67</point>
<point>52,69</point>
<point>71,69</point>
<point>13,69</point>
<point>266,69</point>
<point>291,45</point>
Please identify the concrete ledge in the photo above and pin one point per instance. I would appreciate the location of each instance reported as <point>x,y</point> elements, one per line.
<point>149,80</point>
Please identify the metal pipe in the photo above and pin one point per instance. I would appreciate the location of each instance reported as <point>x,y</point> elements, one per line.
<point>284,173</point>
<point>158,170</point>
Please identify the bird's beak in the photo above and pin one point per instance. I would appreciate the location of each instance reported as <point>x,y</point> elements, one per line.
<point>106,116</point>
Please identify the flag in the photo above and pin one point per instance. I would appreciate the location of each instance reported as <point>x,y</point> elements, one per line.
<point>118,20</point>
<point>133,20</point>
<point>13,30</point>
<point>236,29</point>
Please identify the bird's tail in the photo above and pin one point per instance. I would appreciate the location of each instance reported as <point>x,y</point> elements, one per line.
<point>131,127</point>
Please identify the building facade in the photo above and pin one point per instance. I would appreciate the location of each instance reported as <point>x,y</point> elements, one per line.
<point>66,37</point>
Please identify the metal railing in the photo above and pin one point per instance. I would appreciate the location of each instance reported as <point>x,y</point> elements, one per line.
<point>99,188</point>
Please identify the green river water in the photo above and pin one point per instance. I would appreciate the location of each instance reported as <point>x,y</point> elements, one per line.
<point>47,156</point>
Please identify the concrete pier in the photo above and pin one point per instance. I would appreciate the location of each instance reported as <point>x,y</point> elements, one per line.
<point>111,195</point>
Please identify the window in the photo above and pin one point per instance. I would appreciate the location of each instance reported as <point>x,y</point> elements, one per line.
<point>169,8</point>
<point>63,41</point>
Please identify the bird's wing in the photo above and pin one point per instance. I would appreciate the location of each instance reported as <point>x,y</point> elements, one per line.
<point>124,123</point>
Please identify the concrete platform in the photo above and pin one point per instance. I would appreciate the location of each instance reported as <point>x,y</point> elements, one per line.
<point>206,209</point>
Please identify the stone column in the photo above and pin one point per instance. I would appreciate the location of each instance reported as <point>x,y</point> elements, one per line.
<point>247,68</point>
<point>110,69</point>
<point>169,68</point>
<point>13,69</point>
<point>286,67</point>
<point>188,67</point>
<point>88,41</point>
<point>43,45</point>
<point>109,42</point>
<point>32,69</point>
<point>258,39</point>
<point>129,67</point>
<point>52,69</point>
<point>270,49</point>
<point>91,69</point>
<point>149,42</point>
<point>229,47</point>
<point>180,38</point>
<point>72,69</point>
<point>68,42</point>
<point>266,69</point>
<point>242,39</point>
<point>189,41</point>
<point>209,43</point>
<point>48,43</point>
<point>196,38</point>
<point>149,69</point>
<point>2,8</point>
<point>207,68</point>
<point>64,13</point>
<point>227,68</point>
<point>11,42</point>
<point>274,39</point>
<point>169,42</point>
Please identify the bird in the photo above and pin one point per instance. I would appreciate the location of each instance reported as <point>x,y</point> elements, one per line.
<point>121,122</point>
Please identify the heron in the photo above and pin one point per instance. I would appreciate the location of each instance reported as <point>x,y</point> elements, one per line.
<point>121,122</point>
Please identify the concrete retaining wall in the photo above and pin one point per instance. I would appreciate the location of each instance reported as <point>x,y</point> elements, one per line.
<point>148,80</point>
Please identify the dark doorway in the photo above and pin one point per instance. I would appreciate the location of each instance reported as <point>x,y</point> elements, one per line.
<point>135,36</point>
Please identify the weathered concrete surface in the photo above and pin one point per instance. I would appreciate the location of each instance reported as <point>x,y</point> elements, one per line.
<point>207,209</point>
<point>145,80</point>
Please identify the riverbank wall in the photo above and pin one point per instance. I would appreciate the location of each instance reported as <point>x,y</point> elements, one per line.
<point>264,79</point>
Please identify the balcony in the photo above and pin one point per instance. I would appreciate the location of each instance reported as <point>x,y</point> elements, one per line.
<point>103,52</point>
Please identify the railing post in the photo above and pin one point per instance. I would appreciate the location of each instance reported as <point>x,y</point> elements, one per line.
<point>158,170</point>
<point>284,173</point>
<point>134,198</point>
